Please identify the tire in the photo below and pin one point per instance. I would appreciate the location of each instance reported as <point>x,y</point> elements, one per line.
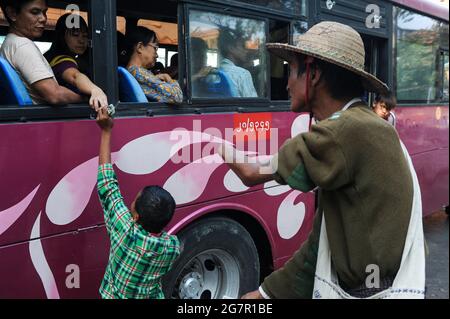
<point>219,261</point>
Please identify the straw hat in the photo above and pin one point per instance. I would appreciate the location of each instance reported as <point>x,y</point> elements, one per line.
<point>336,43</point>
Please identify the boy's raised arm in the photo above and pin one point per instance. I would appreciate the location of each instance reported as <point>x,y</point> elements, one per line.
<point>106,124</point>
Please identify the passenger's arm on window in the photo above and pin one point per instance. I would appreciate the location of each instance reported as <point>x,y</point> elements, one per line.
<point>249,171</point>
<point>55,94</point>
<point>77,79</point>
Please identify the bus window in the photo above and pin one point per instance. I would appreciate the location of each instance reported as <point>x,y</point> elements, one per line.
<point>445,76</point>
<point>419,40</point>
<point>228,56</point>
<point>291,6</point>
<point>121,25</point>
<point>279,33</point>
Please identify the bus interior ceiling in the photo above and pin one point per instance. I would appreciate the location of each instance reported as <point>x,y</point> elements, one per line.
<point>146,10</point>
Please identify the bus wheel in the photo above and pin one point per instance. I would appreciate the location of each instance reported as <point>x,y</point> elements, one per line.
<point>219,261</point>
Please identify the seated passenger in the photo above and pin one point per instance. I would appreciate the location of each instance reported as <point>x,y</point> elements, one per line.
<point>172,70</point>
<point>158,68</point>
<point>233,52</point>
<point>67,57</point>
<point>27,19</point>
<point>199,68</point>
<point>139,56</point>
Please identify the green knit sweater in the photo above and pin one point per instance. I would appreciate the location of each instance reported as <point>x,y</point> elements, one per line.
<point>356,160</point>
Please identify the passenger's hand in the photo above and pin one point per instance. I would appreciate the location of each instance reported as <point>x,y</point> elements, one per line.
<point>164,77</point>
<point>98,99</point>
<point>203,73</point>
<point>105,122</point>
<point>253,295</point>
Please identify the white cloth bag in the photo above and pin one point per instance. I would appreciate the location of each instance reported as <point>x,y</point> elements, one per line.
<point>409,282</point>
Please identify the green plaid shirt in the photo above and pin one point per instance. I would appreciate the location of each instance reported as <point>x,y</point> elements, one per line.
<point>137,259</point>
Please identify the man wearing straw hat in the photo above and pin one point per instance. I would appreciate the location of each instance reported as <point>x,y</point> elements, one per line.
<point>367,239</point>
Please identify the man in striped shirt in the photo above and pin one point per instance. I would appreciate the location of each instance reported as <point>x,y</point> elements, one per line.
<point>141,252</point>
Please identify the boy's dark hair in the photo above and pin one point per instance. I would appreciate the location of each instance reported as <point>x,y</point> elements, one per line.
<point>388,99</point>
<point>341,83</point>
<point>16,5</point>
<point>155,208</point>
<point>131,39</point>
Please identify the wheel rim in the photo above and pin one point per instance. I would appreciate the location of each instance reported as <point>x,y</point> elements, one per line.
<point>212,274</point>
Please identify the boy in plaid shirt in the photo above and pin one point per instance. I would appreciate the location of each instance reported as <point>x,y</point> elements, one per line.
<point>141,253</point>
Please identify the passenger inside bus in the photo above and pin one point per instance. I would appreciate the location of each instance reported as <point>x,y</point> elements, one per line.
<point>27,20</point>
<point>199,68</point>
<point>384,105</point>
<point>158,68</point>
<point>69,61</point>
<point>139,56</point>
<point>172,70</point>
<point>233,52</point>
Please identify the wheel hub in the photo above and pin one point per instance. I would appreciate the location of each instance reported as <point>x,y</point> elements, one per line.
<point>191,286</point>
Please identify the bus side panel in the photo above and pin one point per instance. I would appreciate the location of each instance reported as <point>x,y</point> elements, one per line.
<point>425,131</point>
<point>64,266</point>
<point>48,193</point>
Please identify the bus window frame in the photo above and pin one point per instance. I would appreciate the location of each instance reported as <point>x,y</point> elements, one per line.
<point>264,11</point>
<point>102,78</point>
<point>202,101</point>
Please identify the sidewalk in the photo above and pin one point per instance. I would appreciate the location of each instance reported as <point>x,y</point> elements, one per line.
<point>436,235</point>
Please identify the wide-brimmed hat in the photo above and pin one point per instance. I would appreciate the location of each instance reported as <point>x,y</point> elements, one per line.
<point>335,43</point>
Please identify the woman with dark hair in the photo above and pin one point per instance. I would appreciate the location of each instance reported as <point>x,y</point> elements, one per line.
<point>67,57</point>
<point>138,55</point>
<point>27,20</point>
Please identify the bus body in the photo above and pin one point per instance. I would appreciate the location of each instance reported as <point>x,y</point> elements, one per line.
<point>53,241</point>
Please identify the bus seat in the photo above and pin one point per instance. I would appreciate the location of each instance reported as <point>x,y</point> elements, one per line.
<point>12,89</point>
<point>129,88</point>
<point>219,85</point>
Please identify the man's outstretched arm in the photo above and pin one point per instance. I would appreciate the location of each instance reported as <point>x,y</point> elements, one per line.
<point>251,174</point>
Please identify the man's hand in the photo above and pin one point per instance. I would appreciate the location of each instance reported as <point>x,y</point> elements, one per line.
<point>250,173</point>
<point>253,295</point>
<point>103,120</point>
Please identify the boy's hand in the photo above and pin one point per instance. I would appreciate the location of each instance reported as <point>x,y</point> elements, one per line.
<point>104,121</point>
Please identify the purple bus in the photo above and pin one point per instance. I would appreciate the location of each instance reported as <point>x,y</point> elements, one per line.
<point>53,241</point>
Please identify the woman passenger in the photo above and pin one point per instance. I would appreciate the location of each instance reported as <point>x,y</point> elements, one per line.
<point>27,20</point>
<point>139,56</point>
<point>67,57</point>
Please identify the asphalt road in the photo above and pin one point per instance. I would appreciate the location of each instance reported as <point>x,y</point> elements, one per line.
<point>436,236</point>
